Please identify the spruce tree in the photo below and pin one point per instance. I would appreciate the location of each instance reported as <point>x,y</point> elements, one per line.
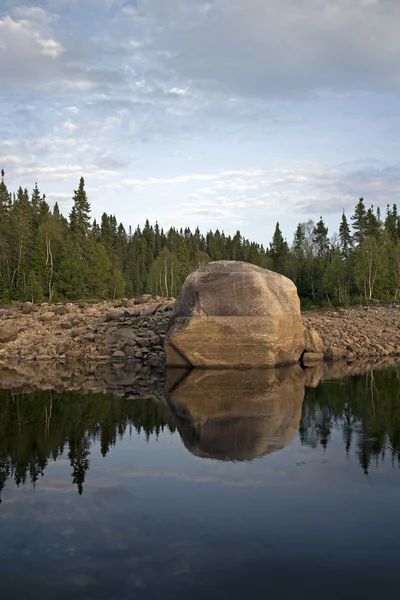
<point>345,237</point>
<point>35,201</point>
<point>359,222</point>
<point>298,241</point>
<point>279,251</point>
<point>320,239</point>
<point>79,218</point>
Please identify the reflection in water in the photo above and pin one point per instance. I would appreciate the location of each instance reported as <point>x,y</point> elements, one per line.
<point>153,520</point>
<point>229,416</point>
<point>37,427</point>
<point>238,415</point>
<point>364,408</point>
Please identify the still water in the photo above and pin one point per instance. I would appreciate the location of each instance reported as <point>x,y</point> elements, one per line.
<point>241,486</point>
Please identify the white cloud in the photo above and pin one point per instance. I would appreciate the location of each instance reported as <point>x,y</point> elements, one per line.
<point>69,125</point>
<point>50,48</point>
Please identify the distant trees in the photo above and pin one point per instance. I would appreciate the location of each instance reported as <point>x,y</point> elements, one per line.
<point>44,256</point>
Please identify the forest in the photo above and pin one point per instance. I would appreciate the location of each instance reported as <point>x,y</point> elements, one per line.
<point>45,256</point>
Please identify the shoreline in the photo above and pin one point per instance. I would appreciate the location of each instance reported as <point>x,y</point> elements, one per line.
<point>134,329</point>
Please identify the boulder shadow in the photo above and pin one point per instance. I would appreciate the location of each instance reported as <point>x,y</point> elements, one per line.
<point>236,415</point>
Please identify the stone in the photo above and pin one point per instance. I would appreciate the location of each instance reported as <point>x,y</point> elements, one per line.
<point>46,317</point>
<point>310,358</point>
<point>143,299</point>
<point>61,310</point>
<point>166,306</point>
<point>354,348</point>
<point>8,333</point>
<point>313,341</point>
<point>127,303</point>
<point>27,308</point>
<point>334,354</point>
<point>118,354</point>
<point>235,314</point>
<point>115,315</point>
<point>74,354</point>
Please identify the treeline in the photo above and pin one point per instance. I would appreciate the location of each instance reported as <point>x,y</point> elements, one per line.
<point>47,257</point>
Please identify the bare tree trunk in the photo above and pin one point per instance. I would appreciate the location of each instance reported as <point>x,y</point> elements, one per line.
<point>172,279</point>
<point>49,261</point>
<point>166,276</point>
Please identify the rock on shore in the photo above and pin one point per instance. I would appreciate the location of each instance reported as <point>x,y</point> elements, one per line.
<point>232,314</point>
<point>135,330</point>
<point>131,329</point>
<point>357,332</point>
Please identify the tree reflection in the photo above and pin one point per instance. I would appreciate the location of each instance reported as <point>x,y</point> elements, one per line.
<point>364,408</point>
<point>41,426</point>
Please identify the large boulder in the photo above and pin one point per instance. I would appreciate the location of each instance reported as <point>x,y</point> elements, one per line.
<point>234,314</point>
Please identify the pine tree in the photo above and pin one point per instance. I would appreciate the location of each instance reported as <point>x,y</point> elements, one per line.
<point>372,223</point>
<point>392,223</point>
<point>298,241</point>
<point>359,222</point>
<point>80,214</point>
<point>320,239</point>
<point>345,237</point>
<point>35,201</point>
<point>278,251</point>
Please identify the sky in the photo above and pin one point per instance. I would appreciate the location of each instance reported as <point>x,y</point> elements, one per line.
<point>233,114</point>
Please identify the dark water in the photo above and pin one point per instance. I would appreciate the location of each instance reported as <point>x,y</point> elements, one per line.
<point>243,487</point>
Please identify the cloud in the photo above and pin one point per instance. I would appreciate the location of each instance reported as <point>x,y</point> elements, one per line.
<point>280,46</point>
<point>25,44</point>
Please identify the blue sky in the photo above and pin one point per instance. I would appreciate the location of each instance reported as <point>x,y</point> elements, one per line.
<point>219,113</point>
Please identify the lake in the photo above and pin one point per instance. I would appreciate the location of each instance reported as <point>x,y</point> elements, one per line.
<point>242,485</point>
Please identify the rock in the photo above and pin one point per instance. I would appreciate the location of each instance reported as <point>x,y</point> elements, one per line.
<point>8,333</point>
<point>235,314</point>
<point>310,358</point>
<point>115,315</point>
<point>118,354</point>
<point>27,308</point>
<point>61,310</point>
<point>127,303</point>
<point>66,325</point>
<point>143,299</point>
<point>165,306</point>
<point>354,348</point>
<point>46,317</point>
<point>313,341</point>
<point>74,354</point>
<point>334,354</point>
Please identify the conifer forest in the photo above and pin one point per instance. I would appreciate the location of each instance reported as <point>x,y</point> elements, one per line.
<point>46,257</point>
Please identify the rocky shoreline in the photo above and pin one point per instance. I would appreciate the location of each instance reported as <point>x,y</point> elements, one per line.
<point>134,330</point>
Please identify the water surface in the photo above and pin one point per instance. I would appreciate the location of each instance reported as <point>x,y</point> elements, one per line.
<point>246,486</point>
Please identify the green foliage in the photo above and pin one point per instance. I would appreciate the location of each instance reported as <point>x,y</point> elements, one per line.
<point>44,256</point>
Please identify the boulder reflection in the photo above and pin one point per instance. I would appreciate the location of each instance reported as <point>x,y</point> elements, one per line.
<point>237,415</point>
